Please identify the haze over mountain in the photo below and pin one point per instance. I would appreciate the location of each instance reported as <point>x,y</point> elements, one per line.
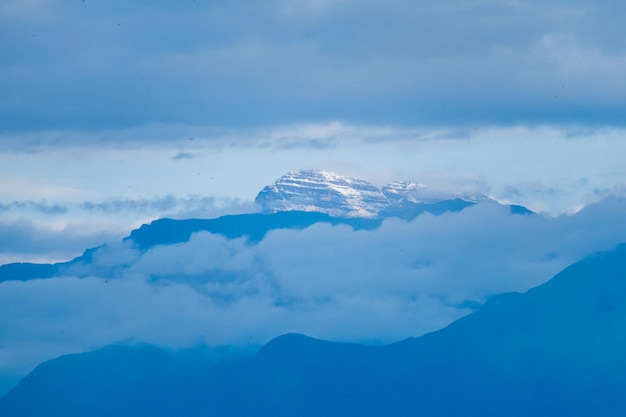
<point>295,201</point>
<point>241,280</point>
<point>554,350</point>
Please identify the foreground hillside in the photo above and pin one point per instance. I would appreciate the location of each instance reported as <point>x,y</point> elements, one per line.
<point>554,350</point>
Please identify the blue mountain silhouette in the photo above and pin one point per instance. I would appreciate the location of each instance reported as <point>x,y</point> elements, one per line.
<point>557,349</point>
<point>253,226</point>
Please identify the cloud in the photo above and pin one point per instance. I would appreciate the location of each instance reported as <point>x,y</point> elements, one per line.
<point>40,206</point>
<point>182,155</point>
<point>458,63</point>
<point>23,241</point>
<point>165,204</point>
<point>551,169</point>
<point>401,280</point>
<point>192,206</point>
<point>33,231</point>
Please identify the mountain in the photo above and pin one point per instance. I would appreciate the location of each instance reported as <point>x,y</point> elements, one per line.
<point>296,201</point>
<point>170,231</point>
<point>253,226</point>
<point>554,350</point>
<point>323,192</point>
<point>339,196</point>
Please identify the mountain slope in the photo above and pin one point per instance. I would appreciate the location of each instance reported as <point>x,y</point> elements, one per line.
<point>554,350</point>
<point>296,201</point>
<point>169,231</point>
<point>252,226</point>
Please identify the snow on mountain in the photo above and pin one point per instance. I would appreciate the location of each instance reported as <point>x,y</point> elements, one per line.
<point>324,192</point>
<point>336,195</point>
<point>402,192</point>
<point>399,191</point>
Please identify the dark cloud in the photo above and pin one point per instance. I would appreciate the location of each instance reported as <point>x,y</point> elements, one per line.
<point>528,188</point>
<point>182,155</point>
<point>41,207</point>
<point>93,65</point>
<point>167,206</point>
<point>137,205</point>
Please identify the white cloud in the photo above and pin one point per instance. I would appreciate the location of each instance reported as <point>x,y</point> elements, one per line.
<point>24,241</point>
<point>401,280</point>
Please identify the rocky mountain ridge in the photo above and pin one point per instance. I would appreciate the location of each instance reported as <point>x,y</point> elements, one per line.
<point>340,196</point>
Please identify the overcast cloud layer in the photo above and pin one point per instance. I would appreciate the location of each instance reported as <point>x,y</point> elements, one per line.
<point>401,280</point>
<point>94,65</point>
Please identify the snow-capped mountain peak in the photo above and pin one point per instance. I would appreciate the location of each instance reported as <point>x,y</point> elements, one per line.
<point>339,196</point>
<point>325,192</point>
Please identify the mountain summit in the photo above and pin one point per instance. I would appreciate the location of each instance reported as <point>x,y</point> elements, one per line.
<point>339,196</point>
<point>323,192</point>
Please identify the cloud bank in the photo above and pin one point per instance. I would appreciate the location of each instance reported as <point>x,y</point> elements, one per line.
<point>93,66</point>
<point>38,231</point>
<point>401,280</point>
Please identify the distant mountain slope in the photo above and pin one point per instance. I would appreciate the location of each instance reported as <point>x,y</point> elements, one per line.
<point>169,231</point>
<point>253,226</point>
<point>556,350</point>
<point>295,201</point>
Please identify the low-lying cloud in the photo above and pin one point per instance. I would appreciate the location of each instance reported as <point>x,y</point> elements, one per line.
<point>23,241</point>
<point>39,231</point>
<point>403,279</point>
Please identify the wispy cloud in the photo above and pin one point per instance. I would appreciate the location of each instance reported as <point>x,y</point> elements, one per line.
<point>137,205</point>
<point>40,206</point>
<point>182,155</point>
<point>23,241</point>
<point>42,232</point>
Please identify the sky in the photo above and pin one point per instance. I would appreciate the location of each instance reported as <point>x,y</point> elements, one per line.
<point>113,114</point>
<point>57,200</point>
